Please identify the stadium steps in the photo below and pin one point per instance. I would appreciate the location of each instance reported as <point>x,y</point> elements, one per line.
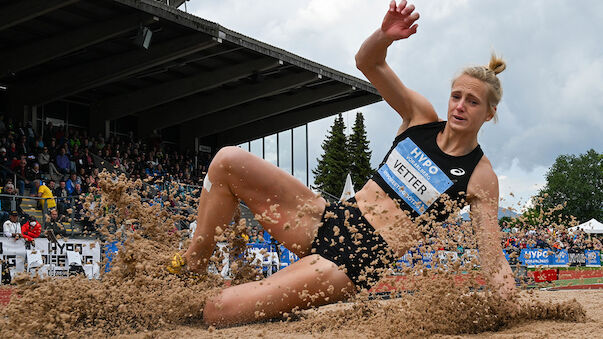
<point>249,217</point>
<point>29,208</point>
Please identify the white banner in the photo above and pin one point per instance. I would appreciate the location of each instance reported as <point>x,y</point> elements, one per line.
<point>14,255</point>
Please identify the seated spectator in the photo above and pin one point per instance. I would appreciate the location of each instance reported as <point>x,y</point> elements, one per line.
<point>5,164</point>
<point>24,177</point>
<point>92,184</point>
<point>63,162</point>
<point>85,161</point>
<point>22,148</point>
<point>34,173</point>
<point>30,231</point>
<point>73,180</point>
<point>12,151</point>
<point>44,160</point>
<point>61,194</point>
<point>51,185</point>
<point>61,191</point>
<point>12,227</point>
<point>254,236</point>
<point>39,142</point>
<point>77,190</point>
<point>55,224</point>
<point>8,203</point>
<point>45,193</point>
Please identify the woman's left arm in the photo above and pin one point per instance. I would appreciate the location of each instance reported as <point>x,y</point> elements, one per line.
<point>483,196</point>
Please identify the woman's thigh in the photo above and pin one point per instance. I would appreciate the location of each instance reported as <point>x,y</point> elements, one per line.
<point>285,207</point>
<point>311,281</point>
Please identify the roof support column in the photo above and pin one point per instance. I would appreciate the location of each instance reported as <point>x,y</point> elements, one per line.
<point>98,124</point>
<point>30,113</point>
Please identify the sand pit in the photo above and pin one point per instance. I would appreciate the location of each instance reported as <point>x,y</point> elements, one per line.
<point>591,300</point>
<point>139,298</point>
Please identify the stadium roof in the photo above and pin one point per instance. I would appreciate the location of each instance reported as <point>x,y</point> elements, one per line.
<point>210,81</point>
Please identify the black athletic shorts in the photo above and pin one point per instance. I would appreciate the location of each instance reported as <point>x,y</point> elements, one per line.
<point>347,239</point>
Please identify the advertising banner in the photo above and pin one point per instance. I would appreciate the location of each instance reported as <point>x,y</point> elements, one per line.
<point>559,258</point>
<point>428,259</point>
<point>593,258</point>
<point>543,257</point>
<point>534,257</point>
<point>49,257</point>
<point>507,256</point>
<point>577,258</point>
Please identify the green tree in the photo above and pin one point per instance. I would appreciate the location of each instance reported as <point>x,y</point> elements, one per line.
<point>506,222</point>
<point>359,153</point>
<point>333,164</point>
<point>577,183</point>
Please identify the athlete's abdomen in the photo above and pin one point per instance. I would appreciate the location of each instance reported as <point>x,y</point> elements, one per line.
<point>394,225</point>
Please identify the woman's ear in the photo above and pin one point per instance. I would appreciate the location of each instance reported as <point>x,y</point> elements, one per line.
<point>491,113</point>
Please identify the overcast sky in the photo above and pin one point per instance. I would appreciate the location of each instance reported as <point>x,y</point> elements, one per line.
<point>553,86</point>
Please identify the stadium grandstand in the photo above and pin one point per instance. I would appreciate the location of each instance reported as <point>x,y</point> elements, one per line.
<point>143,88</point>
<point>149,70</point>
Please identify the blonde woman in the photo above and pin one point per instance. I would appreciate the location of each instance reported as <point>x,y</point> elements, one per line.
<point>346,247</point>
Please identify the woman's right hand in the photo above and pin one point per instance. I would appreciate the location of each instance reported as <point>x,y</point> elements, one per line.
<point>399,22</point>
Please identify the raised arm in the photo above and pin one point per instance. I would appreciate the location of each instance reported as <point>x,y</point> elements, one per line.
<point>399,23</point>
<point>483,196</point>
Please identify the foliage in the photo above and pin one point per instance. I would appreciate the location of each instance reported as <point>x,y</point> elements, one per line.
<point>576,183</point>
<point>360,154</point>
<point>506,222</point>
<point>333,166</point>
<point>342,155</point>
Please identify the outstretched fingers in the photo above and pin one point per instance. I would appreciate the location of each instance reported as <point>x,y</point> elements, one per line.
<point>401,6</point>
<point>413,29</point>
<point>404,9</point>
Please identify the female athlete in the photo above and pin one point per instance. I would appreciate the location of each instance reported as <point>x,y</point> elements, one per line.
<point>345,247</point>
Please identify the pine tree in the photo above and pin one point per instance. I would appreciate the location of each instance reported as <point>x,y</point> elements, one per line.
<point>333,165</point>
<point>359,153</point>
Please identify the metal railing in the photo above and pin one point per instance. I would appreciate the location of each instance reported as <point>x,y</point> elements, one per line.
<point>328,196</point>
<point>68,204</point>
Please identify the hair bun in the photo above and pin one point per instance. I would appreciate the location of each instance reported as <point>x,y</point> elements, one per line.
<point>496,64</point>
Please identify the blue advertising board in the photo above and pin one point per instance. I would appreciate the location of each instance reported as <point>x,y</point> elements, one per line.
<point>593,258</point>
<point>534,257</point>
<point>427,258</point>
<point>543,257</point>
<point>559,258</point>
<point>507,256</point>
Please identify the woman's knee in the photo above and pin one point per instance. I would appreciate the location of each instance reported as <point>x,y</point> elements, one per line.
<point>226,158</point>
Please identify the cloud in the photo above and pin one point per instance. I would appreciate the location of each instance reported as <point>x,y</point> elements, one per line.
<point>553,86</point>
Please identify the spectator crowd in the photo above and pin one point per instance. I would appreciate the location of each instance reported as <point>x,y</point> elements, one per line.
<point>547,239</point>
<point>62,164</point>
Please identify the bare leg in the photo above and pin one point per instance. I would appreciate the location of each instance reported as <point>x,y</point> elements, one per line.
<point>236,174</point>
<point>311,281</point>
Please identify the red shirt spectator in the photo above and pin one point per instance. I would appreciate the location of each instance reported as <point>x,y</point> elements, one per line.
<point>31,230</point>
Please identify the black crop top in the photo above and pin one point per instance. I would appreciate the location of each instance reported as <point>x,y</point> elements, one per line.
<point>416,172</point>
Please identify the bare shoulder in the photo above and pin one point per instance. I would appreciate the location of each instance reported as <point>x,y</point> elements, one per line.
<point>483,182</point>
<point>407,123</point>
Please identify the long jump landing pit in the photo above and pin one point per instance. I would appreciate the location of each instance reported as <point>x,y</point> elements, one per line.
<point>138,298</point>
<point>591,300</point>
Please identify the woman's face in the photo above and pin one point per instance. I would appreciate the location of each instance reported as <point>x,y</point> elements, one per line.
<point>468,106</point>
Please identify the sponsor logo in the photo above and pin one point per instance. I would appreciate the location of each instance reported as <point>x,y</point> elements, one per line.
<point>457,171</point>
<point>414,176</point>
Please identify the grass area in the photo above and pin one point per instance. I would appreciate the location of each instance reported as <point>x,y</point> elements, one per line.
<point>573,282</point>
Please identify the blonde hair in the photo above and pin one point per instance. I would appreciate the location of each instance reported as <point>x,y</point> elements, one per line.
<point>487,74</point>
